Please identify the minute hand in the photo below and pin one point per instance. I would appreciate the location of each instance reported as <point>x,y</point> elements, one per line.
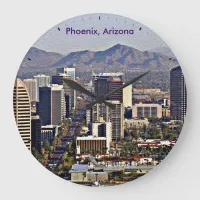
<point>74,85</point>
<point>126,84</point>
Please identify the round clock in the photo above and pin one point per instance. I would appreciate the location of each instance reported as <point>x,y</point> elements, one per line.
<point>99,100</point>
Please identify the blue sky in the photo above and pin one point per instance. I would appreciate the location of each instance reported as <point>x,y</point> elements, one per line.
<point>58,41</point>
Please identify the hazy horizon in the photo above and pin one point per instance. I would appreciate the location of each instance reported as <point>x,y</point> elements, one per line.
<point>58,41</point>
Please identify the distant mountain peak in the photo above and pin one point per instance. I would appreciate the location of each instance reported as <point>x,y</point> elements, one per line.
<point>116,58</point>
<point>39,58</point>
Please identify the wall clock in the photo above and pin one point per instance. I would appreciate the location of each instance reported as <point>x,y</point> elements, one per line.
<point>99,100</point>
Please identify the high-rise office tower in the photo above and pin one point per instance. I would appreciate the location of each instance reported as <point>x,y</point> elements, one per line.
<point>115,116</point>
<point>127,96</point>
<point>32,87</point>
<point>58,79</point>
<point>101,86</point>
<point>71,73</point>
<point>36,132</point>
<point>101,82</point>
<point>42,80</point>
<point>178,94</point>
<point>51,107</point>
<point>114,83</point>
<point>22,111</point>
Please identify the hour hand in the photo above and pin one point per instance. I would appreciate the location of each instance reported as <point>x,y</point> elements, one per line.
<point>74,85</point>
<point>126,84</point>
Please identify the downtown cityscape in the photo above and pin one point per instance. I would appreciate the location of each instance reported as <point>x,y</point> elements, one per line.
<point>98,145</point>
<point>100,117</point>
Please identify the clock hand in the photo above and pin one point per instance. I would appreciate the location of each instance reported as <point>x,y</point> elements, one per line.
<point>126,84</point>
<point>74,85</point>
<point>90,105</point>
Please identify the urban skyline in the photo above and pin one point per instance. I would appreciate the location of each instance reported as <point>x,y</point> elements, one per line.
<point>94,137</point>
<point>106,113</point>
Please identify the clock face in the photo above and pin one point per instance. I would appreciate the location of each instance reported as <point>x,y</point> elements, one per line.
<point>99,100</point>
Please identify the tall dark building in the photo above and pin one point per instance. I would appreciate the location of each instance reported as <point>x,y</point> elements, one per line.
<point>36,133</point>
<point>101,86</point>
<point>67,105</point>
<point>178,94</point>
<point>114,83</point>
<point>44,105</point>
<point>51,107</point>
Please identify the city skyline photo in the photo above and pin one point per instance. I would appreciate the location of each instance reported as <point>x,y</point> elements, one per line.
<point>100,100</point>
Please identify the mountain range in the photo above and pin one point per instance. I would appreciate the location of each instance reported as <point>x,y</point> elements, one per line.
<point>163,51</point>
<point>117,58</point>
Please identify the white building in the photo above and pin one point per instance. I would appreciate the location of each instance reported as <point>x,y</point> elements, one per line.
<point>127,96</point>
<point>22,111</point>
<point>71,72</point>
<point>102,129</point>
<point>115,116</point>
<point>88,116</point>
<point>42,80</point>
<point>32,88</point>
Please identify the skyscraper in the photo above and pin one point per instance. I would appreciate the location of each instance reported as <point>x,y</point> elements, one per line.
<point>67,105</point>
<point>178,94</point>
<point>58,79</point>
<point>36,132</point>
<point>103,84</point>
<point>42,80</point>
<point>71,73</point>
<point>22,111</point>
<point>127,96</point>
<point>51,107</point>
<point>115,116</point>
<point>32,87</point>
<point>114,83</point>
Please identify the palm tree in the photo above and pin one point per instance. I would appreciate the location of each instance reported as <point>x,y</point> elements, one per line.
<point>64,157</point>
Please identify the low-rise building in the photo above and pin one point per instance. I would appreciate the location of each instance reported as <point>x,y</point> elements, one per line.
<point>82,174</point>
<point>136,123</point>
<point>90,143</point>
<point>148,110</point>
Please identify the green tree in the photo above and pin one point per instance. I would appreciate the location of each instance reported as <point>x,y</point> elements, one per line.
<point>47,145</point>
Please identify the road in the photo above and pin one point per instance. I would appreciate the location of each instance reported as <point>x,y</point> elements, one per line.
<point>70,134</point>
